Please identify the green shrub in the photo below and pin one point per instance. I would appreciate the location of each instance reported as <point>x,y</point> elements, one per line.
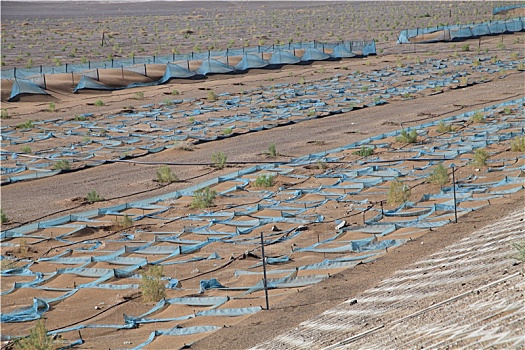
<point>151,286</point>
<point>62,164</point>
<point>272,151</point>
<point>219,160</point>
<point>167,102</point>
<point>507,111</point>
<point>165,175</point>
<point>444,128</point>
<point>321,165</point>
<point>25,149</point>
<point>480,157</point>
<point>37,339</point>
<point>124,222</point>
<point>518,145</point>
<point>364,152</point>
<point>398,192</point>
<point>465,47</point>
<point>174,92</point>
<point>477,117</point>
<point>3,216</point>
<point>25,125</point>
<point>93,197</point>
<point>212,96</point>
<point>4,114</point>
<point>227,131</point>
<point>139,95</point>
<point>203,198</point>
<point>99,103</point>
<point>520,247</point>
<point>264,180</point>
<point>52,107</point>
<point>80,118</point>
<point>407,136</point>
<point>521,66</point>
<point>439,175</point>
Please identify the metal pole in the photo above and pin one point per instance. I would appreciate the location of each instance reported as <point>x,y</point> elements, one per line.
<point>264,273</point>
<point>455,202</point>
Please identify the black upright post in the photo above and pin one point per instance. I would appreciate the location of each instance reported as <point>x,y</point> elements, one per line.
<point>264,273</point>
<point>454,187</point>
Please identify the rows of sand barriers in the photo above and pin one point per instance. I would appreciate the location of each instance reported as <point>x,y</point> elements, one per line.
<point>322,214</point>
<point>44,148</point>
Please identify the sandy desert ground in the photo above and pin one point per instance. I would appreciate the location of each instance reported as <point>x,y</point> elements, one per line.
<point>148,28</point>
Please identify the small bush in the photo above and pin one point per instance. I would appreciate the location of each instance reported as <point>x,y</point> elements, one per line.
<point>80,118</point>
<point>398,192</point>
<point>264,180</point>
<point>507,111</point>
<point>443,127</point>
<point>521,66</point>
<point>219,160</point>
<point>167,102</point>
<point>227,131</point>
<point>26,125</point>
<point>520,247</point>
<point>38,339</point>
<point>3,216</point>
<point>93,197</point>
<point>151,286</point>
<point>212,96</point>
<point>25,149</point>
<point>124,222</point>
<point>364,152</point>
<point>465,47</point>
<point>518,145</point>
<point>272,151</point>
<point>165,175</point>
<point>477,117</point>
<point>174,92</point>
<point>407,136</point>
<point>203,198</point>
<point>99,103</point>
<point>139,95</point>
<point>4,114</point>
<point>439,176</point>
<point>480,157</point>
<point>62,164</point>
<point>52,107</point>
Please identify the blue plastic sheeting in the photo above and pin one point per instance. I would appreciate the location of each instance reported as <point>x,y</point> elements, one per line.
<point>23,86</point>
<point>250,61</point>
<point>283,57</point>
<point>213,66</point>
<point>209,284</point>
<point>313,54</point>
<point>499,9</point>
<point>340,51</point>
<point>176,331</point>
<point>459,32</point>
<point>230,312</point>
<point>25,314</point>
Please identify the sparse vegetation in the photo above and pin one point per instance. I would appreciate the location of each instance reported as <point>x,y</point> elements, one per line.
<point>407,136</point>
<point>151,286</point>
<point>139,95</point>
<point>518,144</point>
<point>480,157</point>
<point>219,160</point>
<point>37,339</point>
<point>272,151</point>
<point>439,176</point>
<point>465,47</point>
<point>93,197</point>
<point>507,111</point>
<point>99,103</point>
<point>4,114</point>
<point>174,92</point>
<point>165,175</point>
<point>520,247</point>
<point>25,149</point>
<point>265,180</point>
<point>477,117</point>
<point>227,131</point>
<point>203,198</point>
<point>212,96</point>
<point>62,164</point>
<point>52,107</point>
<point>398,192</point>
<point>364,151</point>
<point>80,118</point>
<point>25,125</point>
<point>3,216</point>
<point>167,102</point>
<point>444,127</point>
<point>123,223</point>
